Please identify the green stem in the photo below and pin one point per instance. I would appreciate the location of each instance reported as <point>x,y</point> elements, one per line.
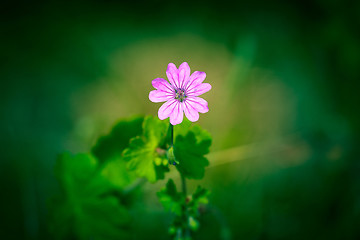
<point>184,190</point>
<point>172,134</point>
<point>186,213</point>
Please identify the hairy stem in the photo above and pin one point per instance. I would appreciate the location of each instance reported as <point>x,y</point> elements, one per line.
<point>172,134</point>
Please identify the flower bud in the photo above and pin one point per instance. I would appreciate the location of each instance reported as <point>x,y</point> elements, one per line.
<point>171,156</point>
<point>158,161</point>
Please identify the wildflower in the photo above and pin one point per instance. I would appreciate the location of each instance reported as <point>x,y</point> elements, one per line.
<point>181,94</point>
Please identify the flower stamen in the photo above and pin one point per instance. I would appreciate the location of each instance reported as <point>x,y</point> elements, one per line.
<point>180,94</point>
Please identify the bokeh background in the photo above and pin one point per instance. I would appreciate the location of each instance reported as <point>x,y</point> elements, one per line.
<point>284,107</point>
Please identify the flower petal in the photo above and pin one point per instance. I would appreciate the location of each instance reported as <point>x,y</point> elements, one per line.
<point>159,96</point>
<point>195,79</point>
<point>162,84</point>
<point>190,112</point>
<point>166,109</point>
<point>184,74</point>
<point>177,115</point>
<point>172,74</point>
<point>199,89</point>
<point>198,104</point>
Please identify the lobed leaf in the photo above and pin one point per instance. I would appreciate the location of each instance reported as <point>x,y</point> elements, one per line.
<point>111,146</point>
<point>190,149</point>
<point>144,151</point>
<point>108,150</point>
<point>199,197</point>
<point>171,199</point>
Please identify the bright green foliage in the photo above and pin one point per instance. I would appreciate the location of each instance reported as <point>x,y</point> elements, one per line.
<point>87,207</point>
<point>190,150</point>
<point>144,151</point>
<point>111,146</point>
<point>171,199</point>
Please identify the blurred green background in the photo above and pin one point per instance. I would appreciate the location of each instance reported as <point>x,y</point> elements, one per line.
<point>284,107</point>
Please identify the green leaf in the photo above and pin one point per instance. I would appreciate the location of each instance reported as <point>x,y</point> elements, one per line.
<point>193,223</point>
<point>171,199</point>
<point>199,197</point>
<point>190,149</point>
<point>108,150</point>
<point>143,152</point>
<point>116,172</point>
<point>185,209</point>
<point>87,207</point>
<point>111,146</point>
<point>183,128</point>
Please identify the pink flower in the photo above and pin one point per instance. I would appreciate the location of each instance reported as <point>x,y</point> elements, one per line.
<point>181,94</point>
